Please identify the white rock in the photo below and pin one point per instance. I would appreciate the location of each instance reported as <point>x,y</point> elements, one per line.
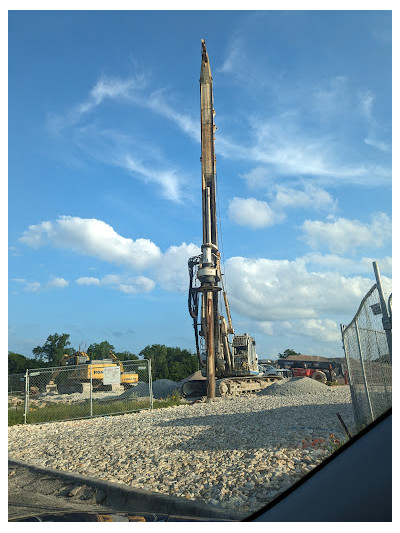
<point>207,451</point>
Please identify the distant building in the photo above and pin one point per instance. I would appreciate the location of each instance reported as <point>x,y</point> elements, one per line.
<point>312,361</point>
<point>301,357</point>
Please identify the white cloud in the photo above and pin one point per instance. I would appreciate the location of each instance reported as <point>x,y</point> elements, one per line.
<point>279,146</point>
<point>343,234</point>
<point>134,90</point>
<point>258,177</point>
<point>333,262</point>
<point>346,265</point>
<point>95,238</point>
<point>276,290</point>
<point>366,100</point>
<point>139,284</point>
<point>85,280</point>
<point>36,286</point>
<point>172,271</point>
<point>328,99</point>
<point>125,284</point>
<point>379,145</point>
<point>158,102</point>
<point>58,283</point>
<point>33,286</point>
<point>113,88</point>
<point>260,214</point>
<point>366,103</point>
<point>106,87</point>
<point>253,213</point>
<point>322,330</point>
<point>266,327</point>
<point>310,197</point>
<point>234,59</point>
<point>116,150</point>
<point>141,160</point>
<point>384,264</point>
<point>168,179</point>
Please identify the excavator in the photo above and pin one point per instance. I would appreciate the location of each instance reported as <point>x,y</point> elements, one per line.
<point>228,361</point>
<point>84,371</point>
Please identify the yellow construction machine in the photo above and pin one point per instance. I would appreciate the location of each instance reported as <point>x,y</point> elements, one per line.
<point>84,371</point>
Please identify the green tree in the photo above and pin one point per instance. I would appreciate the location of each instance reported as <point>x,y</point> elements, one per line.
<point>169,363</point>
<point>53,350</point>
<point>287,352</point>
<point>100,350</point>
<point>126,356</point>
<point>157,354</point>
<point>18,363</point>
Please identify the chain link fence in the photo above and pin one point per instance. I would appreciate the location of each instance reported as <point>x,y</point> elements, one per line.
<point>16,384</point>
<point>367,348</point>
<point>80,391</point>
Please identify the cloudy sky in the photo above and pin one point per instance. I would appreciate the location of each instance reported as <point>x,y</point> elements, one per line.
<point>105,176</point>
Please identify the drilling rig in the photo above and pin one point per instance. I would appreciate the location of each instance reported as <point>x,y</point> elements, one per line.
<point>230,366</point>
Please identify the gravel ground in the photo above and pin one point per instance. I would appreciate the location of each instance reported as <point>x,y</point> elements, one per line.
<point>237,453</point>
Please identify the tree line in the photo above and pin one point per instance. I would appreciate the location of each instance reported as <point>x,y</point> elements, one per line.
<point>166,362</point>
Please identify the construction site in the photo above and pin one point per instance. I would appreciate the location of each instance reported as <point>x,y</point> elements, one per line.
<point>236,435</point>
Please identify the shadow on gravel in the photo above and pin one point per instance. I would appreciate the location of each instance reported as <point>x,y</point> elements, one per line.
<point>283,426</point>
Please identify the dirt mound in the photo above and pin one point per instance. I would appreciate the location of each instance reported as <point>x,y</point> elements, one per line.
<point>295,387</point>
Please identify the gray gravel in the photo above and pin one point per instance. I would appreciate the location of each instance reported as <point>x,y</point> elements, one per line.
<point>236,453</point>
<point>163,388</point>
<point>296,386</point>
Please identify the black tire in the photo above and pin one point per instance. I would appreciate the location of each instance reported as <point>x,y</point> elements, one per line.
<point>319,376</point>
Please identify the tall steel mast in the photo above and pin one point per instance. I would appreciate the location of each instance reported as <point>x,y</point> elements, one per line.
<point>234,363</point>
<point>209,268</point>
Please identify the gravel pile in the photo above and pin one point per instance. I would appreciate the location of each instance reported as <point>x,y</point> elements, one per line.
<point>163,387</point>
<point>296,386</point>
<point>140,390</point>
<point>237,453</point>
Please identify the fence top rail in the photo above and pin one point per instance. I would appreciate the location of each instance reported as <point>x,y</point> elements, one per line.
<point>69,367</point>
<point>371,290</point>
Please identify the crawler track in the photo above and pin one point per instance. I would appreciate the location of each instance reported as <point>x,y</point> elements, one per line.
<point>235,386</point>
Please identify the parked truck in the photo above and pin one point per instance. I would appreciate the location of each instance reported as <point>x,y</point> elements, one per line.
<point>319,370</point>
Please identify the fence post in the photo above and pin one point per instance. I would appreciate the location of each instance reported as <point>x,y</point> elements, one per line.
<point>150,383</point>
<point>363,370</point>
<point>349,371</point>
<point>91,390</point>
<point>386,319</point>
<point>26,394</point>
<point>379,356</point>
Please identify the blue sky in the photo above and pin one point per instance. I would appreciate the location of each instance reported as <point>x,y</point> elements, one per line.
<point>104,172</point>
